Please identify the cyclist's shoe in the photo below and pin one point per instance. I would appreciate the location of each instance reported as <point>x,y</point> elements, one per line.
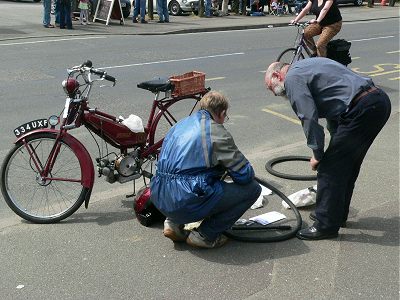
<point>174,231</point>
<point>196,239</point>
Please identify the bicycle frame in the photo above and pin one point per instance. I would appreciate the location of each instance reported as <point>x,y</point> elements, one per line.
<point>301,45</point>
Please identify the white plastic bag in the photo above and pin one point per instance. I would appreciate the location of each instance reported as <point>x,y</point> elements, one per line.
<point>303,197</point>
<point>134,123</point>
<point>261,200</point>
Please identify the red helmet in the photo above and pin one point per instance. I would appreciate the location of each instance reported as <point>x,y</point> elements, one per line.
<point>145,211</point>
<point>70,86</point>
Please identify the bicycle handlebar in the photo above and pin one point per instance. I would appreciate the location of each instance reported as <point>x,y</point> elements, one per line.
<point>297,24</point>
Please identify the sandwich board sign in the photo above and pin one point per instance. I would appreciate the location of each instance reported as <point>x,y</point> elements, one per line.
<point>109,9</point>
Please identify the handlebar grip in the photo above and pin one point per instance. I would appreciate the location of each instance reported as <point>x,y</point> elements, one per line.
<point>97,72</point>
<point>109,78</point>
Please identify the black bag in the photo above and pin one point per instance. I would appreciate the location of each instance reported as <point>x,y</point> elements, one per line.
<point>339,50</point>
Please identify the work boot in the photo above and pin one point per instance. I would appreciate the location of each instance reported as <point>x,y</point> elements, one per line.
<point>174,232</point>
<point>314,218</point>
<point>196,239</point>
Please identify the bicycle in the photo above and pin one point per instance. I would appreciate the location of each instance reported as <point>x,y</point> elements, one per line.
<point>49,173</point>
<point>295,53</point>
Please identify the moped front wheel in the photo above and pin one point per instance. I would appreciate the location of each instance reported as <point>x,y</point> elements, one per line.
<point>288,56</point>
<point>36,198</point>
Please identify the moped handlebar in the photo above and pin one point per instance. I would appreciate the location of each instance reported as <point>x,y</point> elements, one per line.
<point>103,74</point>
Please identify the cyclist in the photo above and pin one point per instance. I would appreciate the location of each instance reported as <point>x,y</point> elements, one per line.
<point>187,187</point>
<point>327,23</point>
<point>356,111</point>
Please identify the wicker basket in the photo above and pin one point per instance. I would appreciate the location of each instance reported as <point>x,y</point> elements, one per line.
<point>188,84</point>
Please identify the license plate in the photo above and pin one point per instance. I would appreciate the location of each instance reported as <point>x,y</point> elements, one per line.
<point>123,4</point>
<point>32,125</point>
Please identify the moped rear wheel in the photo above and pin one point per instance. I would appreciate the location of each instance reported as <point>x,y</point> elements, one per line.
<point>287,56</point>
<point>36,199</point>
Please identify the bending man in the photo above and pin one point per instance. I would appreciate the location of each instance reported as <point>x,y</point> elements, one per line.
<point>355,111</point>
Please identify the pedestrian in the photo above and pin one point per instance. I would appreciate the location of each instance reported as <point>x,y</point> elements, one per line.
<point>84,15</point>
<point>65,14</point>
<point>327,23</point>
<point>224,10</point>
<point>140,5</point>
<point>208,8</point>
<point>355,111</point>
<point>162,11</point>
<point>187,186</point>
<point>47,14</point>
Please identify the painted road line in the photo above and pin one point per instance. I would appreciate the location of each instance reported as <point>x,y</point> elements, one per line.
<point>293,120</point>
<point>394,78</point>
<point>173,60</point>
<point>384,73</point>
<point>52,41</point>
<point>391,52</point>
<point>378,69</point>
<point>215,78</point>
<point>375,38</point>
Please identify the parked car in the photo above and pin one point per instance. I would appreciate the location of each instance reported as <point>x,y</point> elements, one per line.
<point>176,7</point>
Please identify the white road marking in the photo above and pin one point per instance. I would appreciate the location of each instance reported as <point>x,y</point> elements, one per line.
<point>173,60</point>
<point>375,38</point>
<point>52,41</point>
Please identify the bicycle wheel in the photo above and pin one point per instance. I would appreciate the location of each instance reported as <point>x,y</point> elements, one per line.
<point>279,231</point>
<point>287,56</point>
<point>37,200</point>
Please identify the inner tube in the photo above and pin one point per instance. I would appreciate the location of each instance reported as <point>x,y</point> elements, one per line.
<point>270,164</point>
<point>288,231</point>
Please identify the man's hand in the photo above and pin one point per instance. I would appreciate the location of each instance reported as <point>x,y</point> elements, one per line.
<point>313,21</point>
<point>314,163</point>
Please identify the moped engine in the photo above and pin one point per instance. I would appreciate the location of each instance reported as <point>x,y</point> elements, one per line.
<point>126,165</point>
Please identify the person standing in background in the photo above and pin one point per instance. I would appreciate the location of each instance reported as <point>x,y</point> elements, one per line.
<point>140,5</point>
<point>162,10</point>
<point>47,14</point>
<point>84,15</point>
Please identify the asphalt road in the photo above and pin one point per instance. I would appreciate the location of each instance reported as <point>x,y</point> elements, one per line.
<point>103,252</point>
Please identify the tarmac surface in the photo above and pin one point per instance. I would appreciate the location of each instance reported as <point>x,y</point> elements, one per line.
<point>31,25</point>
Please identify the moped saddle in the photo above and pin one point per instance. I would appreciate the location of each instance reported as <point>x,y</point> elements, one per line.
<point>156,85</point>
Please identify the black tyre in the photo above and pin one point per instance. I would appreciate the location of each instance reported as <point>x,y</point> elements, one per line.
<point>279,231</point>
<point>270,164</point>
<point>37,199</point>
<point>175,8</point>
<point>287,56</point>
<point>358,2</point>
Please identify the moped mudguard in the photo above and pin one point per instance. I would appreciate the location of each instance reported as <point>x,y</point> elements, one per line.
<point>85,161</point>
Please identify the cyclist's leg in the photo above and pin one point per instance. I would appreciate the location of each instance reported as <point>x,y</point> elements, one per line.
<point>328,32</point>
<point>237,198</point>
<point>309,32</point>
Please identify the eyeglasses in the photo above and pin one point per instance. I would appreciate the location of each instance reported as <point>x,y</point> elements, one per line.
<point>226,118</point>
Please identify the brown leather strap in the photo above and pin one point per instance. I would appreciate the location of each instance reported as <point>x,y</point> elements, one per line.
<point>362,94</point>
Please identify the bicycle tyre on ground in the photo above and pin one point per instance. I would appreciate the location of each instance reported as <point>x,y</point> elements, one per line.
<point>287,55</point>
<point>269,166</point>
<point>235,234</point>
<point>33,199</point>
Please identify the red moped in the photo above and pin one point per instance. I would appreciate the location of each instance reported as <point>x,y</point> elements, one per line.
<point>49,173</point>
